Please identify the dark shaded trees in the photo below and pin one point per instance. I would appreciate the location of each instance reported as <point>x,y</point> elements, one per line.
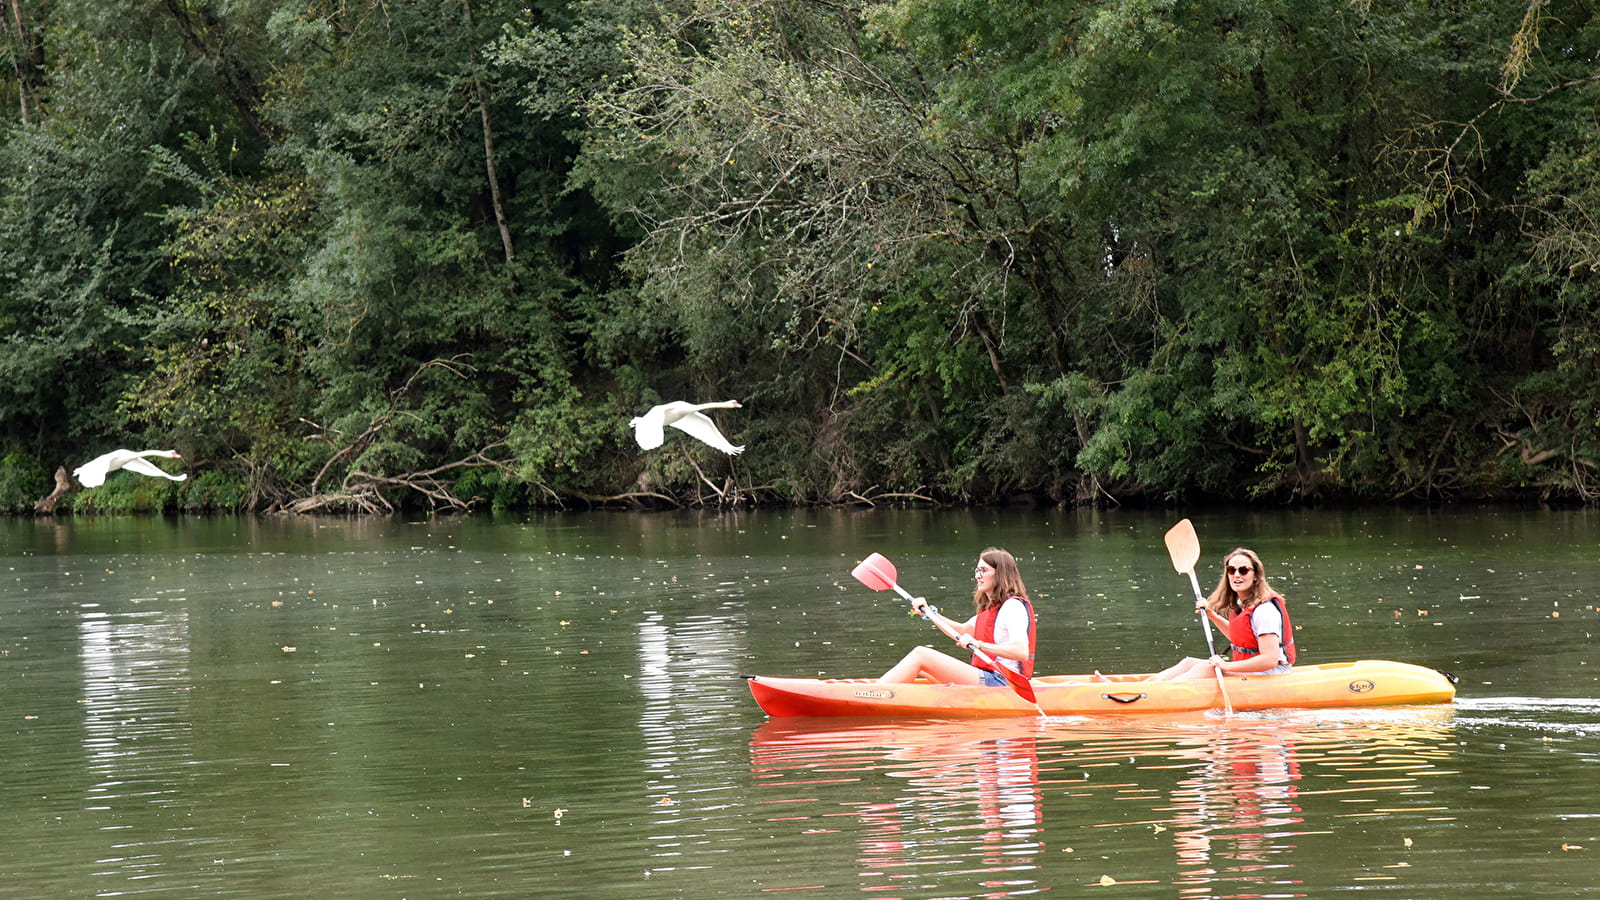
<point>359,255</point>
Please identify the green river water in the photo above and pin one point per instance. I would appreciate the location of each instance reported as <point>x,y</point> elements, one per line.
<point>552,706</point>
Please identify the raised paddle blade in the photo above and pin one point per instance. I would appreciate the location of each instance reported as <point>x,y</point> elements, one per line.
<point>1183,545</point>
<point>876,572</point>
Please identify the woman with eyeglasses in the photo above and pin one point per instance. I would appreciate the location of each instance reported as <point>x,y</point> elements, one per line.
<point>1003,628</point>
<point>1253,618</point>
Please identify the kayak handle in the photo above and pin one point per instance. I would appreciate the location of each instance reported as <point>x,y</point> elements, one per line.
<point>1124,698</point>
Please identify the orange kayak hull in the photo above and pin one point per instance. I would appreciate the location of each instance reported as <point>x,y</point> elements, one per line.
<point>1368,682</point>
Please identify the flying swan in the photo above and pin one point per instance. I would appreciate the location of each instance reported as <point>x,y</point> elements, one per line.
<point>685,417</point>
<point>93,473</point>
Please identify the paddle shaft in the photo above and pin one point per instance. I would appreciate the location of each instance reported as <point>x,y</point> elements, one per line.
<point>1205,625</point>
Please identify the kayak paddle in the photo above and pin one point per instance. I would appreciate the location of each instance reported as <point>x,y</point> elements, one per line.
<point>878,573</point>
<point>1183,545</point>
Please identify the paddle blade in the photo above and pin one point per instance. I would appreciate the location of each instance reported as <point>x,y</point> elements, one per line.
<point>1183,545</point>
<point>1019,684</point>
<point>875,572</point>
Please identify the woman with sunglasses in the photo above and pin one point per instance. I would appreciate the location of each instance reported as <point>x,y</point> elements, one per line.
<point>1003,628</point>
<point>1251,615</point>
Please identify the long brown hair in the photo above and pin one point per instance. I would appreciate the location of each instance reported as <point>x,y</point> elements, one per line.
<point>1224,602</point>
<point>1007,580</point>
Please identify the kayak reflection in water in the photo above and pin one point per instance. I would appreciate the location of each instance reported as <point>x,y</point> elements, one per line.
<point>1251,615</point>
<point>1003,628</point>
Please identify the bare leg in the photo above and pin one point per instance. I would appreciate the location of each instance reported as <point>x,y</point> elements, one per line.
<point>1188,667</point>
<point>930,662</point>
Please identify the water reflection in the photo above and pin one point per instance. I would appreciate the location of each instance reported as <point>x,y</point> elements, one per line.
<point>681,663</point>
<point>1244,796</point>
<point>134,667</point>
<point>137,739</point>
<point>969,801</point>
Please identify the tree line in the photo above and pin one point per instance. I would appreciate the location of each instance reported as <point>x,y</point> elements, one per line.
<point>368,255</point>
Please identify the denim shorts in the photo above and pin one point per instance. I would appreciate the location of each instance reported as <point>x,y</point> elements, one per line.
<point>991,679</point>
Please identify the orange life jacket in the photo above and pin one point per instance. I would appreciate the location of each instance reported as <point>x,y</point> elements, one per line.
<point>1243,637</point>
<point>983,630</point>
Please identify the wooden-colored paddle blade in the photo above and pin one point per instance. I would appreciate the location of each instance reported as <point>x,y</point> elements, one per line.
<point>876,572</point>
<point>1183,545</point>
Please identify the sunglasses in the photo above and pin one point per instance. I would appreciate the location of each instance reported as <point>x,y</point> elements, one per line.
<point>1239,570</point>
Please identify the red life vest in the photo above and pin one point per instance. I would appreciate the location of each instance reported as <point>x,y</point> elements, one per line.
<point>1243,637</point>
<point>983,630</point>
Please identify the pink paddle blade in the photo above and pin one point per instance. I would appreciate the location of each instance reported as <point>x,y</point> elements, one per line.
<point>875,572</point>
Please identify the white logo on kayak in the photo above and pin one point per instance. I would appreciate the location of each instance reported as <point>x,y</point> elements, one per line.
<point>874,694</point>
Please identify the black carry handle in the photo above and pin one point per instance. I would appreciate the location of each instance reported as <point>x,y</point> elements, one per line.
<point>1124,699</point>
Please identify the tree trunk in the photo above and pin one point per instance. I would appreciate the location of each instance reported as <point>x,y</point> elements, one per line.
<point>238,84</point>
<point>488,149</point>
<point>27,60</point>
<point>47,506</point>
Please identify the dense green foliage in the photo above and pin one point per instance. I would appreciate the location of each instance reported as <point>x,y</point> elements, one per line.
<point>384,253</point>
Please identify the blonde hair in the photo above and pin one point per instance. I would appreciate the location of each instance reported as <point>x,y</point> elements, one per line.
<point>1007,580</point>
<point>1224,602</point>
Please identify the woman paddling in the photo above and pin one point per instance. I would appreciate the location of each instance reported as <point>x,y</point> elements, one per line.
<point>1004,628</point>
<point>1253,618</point>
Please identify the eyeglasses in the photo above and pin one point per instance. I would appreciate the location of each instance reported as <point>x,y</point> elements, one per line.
<point>1239,570</point>
<point>979,570</point>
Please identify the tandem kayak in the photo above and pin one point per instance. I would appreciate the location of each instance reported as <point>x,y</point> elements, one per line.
<point>1367,682</point>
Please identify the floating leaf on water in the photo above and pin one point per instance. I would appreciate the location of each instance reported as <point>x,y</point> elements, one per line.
<point>1572,846</point>
<point>289,649</point>
<point>1107,880</point>
<point>1408,843</point>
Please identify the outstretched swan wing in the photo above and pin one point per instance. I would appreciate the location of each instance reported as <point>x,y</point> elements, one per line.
<point>699,425</point>
<point>144,467</point>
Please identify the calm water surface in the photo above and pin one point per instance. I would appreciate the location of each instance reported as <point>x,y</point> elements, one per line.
<point>552,706</point>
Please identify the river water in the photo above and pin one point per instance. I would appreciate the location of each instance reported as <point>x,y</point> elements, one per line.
<point>552,706</point>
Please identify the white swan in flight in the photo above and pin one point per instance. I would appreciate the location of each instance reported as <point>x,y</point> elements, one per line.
<point>685,417</point>
<point>93,473</point>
